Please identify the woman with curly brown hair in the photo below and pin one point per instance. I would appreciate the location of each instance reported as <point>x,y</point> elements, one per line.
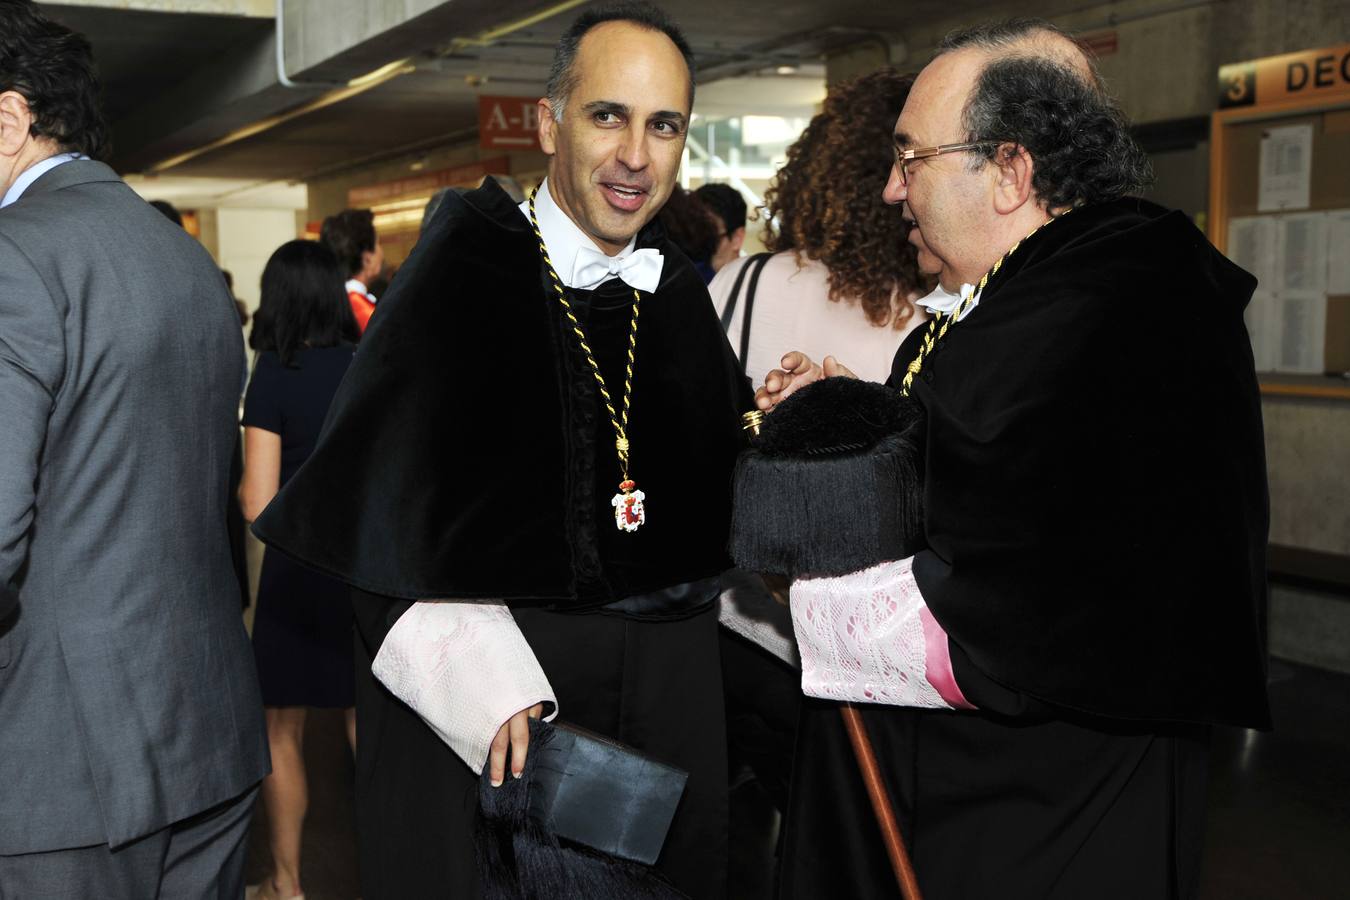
<point>842,274</point>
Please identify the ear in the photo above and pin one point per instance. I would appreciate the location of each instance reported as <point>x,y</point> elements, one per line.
<point>367,259</point>
<point>16,123</point>
<point>1012,187</point>
<point>737,238</point>
<point>548,128</point>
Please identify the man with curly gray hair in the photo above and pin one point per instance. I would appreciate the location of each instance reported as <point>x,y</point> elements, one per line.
<point>1095,501</point>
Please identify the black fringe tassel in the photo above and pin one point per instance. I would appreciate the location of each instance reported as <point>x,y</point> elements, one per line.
<point>834,485</point>
<point>520,859</point>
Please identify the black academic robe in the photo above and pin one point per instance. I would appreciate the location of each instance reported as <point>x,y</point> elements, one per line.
<point>1096,517</point>
<point>467,455</point>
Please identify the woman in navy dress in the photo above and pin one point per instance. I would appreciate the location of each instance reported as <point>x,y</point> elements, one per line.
<point>302,630</point>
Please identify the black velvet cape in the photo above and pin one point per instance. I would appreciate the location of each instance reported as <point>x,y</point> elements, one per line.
<point>467,454</point>
<point>1096,488</point>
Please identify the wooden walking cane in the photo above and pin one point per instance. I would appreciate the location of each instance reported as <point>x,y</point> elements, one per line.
<point>881,802</point>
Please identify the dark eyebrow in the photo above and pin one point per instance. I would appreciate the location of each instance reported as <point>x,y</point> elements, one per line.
<point>902,140</point>
<point>623,109</point>
<point>670,115</point>
<point>608,106</point>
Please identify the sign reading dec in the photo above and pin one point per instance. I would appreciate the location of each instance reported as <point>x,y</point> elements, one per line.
<point>1309,73</point>
<point>508,123</point>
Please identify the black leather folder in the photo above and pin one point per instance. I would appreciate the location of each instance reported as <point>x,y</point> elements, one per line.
<point>597,792</point>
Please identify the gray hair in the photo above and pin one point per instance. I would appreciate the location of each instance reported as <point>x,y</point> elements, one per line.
<point>1024,35</point>
<point>1033,95</point>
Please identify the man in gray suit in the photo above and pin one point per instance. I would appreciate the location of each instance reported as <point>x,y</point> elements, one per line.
<point>131,738</point>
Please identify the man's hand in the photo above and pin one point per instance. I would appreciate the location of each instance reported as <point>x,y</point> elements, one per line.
<point>835,369</point>
<point>798,371</point>
<point>515,734</point>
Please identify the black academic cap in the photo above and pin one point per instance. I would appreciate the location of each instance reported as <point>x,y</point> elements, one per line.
<point>833,483</point>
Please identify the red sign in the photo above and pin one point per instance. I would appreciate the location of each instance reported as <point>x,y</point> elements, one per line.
<point>508,123</point>
<point>427,182</point>
<point>1100,43</point>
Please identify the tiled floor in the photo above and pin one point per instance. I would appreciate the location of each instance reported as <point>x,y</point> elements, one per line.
<point>1279,826</point>
<point>1279,822</point>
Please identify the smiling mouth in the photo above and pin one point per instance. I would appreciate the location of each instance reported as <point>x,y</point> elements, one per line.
<point>625,198</point>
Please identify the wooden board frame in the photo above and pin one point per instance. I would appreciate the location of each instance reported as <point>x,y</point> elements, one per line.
<point>1219,122</point>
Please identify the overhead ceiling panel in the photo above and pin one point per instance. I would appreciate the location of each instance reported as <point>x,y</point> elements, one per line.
<point>140,55</point>
<point>143,54</point>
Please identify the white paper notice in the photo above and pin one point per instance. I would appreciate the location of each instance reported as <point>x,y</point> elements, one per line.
<point>1252,244</point>
<point>1303,326</point>
<point>1302,255</point>
<point>1338,251</point>
<point>1286,168</point>
<point>1263,326</point>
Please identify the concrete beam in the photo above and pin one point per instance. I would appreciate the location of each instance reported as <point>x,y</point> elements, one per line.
<point>216,99</point>
<point>262,9</point>
<point>328,41</point>
<point>337,40</point>
<point>318,30</point>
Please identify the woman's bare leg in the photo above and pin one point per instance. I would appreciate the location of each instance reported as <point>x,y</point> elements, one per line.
<point>286,796</point>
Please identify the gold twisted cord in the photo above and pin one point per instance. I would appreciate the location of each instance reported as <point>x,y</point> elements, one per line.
<point>618,420</point>
<point>937,328</point>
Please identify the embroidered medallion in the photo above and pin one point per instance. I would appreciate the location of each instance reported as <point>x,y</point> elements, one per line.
<point>629,512</point>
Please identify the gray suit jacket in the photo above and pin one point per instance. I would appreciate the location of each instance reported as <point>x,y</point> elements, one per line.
<point>128,693</point>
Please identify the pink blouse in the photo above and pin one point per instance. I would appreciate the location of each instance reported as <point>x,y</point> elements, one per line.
<point>793,312</point>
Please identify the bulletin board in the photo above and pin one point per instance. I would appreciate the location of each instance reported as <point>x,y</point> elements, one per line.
<point>1280,208</point>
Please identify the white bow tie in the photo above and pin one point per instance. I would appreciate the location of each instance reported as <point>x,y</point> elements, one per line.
<point>640,269</point>
<point>943,301</point>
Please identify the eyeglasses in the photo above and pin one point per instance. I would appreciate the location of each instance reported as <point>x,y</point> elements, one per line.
<point>903,157</point>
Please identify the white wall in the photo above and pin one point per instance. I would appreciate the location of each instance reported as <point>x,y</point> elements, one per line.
<point>1306,452</point>
<point>246,238</point>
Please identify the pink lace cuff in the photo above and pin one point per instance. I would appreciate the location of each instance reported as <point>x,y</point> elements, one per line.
<point>465,668</point>
<point>869,637</point>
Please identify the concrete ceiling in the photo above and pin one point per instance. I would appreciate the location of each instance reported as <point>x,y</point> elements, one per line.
<point>178,81</point>
<point>139,53</point>
<point>188,192</point>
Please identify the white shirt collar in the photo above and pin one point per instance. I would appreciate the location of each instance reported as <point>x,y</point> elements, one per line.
<point>33,173</point>
<point>942,301</point>
<point>562,236</point>
<point>355,286</point>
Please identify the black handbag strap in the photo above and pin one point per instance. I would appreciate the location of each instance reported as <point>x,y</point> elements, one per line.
<point>730,309</point>
<point>757,263</point>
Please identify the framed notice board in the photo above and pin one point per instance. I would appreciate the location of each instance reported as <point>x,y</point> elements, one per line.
<point>1280,208</point>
